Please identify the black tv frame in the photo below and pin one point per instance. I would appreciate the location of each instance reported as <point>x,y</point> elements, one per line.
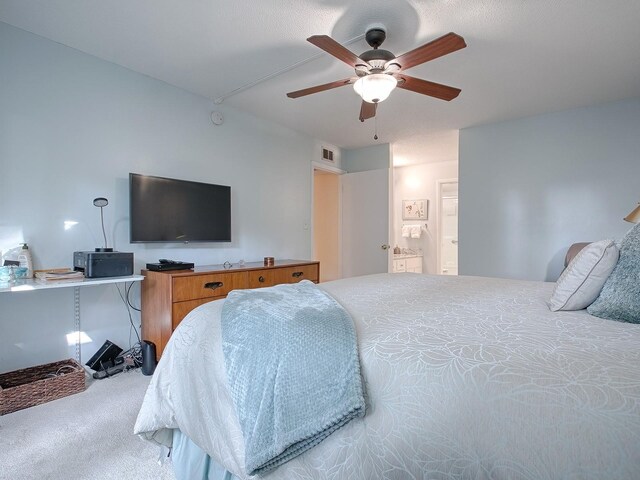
<point>197,193</point>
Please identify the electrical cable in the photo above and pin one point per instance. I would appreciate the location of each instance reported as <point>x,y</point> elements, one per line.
<point>135,354</point>
<point>126,304</point>
<point>129,302</point>
<point>242,88</point>
<point>60,371</point>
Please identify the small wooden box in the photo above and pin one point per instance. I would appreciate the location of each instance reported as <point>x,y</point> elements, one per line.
<point>40,384</point>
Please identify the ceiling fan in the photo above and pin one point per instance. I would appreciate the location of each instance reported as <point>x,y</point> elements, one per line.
<point>379,71</point>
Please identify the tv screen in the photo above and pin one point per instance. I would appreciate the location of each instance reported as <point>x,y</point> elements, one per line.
<point>170,210</point>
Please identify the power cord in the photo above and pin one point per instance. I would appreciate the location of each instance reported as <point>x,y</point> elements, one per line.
<point>127,304</point>
<point>128,301</point>
<point>131,358</point>
<point>61,371</point>
<point>124,362</point>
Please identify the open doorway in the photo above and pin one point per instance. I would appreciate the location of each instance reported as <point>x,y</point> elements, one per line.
<point>326,223</point>
<point>447,227</point>
<point>351,213</point>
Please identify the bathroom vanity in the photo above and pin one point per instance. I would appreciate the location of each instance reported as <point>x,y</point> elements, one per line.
<point>407,262</point>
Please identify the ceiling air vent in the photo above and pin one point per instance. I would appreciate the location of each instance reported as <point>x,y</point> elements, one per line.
<point>327,154</point>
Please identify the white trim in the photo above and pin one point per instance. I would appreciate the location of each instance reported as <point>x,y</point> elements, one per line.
<point>326,168</point>
<point>340,239</point>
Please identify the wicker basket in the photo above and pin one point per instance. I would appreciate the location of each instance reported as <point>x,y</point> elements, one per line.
<point>35,385</point>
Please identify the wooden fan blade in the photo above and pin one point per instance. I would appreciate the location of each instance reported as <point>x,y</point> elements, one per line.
<point>320,88</point>
<point>367,110</point>
<point>332,47</point>
<point>437,48</point>
<point>425,87</point>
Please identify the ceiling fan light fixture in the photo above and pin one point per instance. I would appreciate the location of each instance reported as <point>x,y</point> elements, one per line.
<point>376,87</point>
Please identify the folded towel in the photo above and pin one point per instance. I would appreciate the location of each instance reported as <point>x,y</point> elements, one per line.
<point>416,231</point>
<point>291,358</point>
<point>406,231</point>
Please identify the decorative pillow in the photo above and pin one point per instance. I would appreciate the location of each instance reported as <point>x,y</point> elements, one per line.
<point>581,282</point>
<point>620,296</point>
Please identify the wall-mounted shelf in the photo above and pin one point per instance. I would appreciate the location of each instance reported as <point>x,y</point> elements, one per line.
<point>31,285</point>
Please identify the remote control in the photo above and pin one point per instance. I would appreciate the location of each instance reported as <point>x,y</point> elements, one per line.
<point>164,260</point>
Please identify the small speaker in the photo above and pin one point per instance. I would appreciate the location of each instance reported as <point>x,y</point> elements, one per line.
<point>148,357</point>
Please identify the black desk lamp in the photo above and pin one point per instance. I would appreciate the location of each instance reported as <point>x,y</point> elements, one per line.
<point>102,202</point>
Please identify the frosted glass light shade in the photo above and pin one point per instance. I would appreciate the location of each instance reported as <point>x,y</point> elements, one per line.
<point>376,87</point>
<point>634,216</point>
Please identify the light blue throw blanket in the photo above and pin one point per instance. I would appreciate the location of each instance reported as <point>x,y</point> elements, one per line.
<point>292,364</point>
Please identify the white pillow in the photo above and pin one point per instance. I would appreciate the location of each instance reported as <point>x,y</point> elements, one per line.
<point>583,279</point>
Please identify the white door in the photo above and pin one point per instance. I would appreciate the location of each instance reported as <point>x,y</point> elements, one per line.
<point>448,227</point>
<point>365,222</point>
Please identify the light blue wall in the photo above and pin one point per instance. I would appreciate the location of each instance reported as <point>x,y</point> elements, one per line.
<point>363,159</point>
<point>530,188</point>
<point>72,127</point>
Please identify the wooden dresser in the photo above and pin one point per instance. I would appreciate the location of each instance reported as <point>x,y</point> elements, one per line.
<point>167,297</point>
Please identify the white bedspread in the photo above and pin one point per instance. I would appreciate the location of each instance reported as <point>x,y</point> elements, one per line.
<point>466,377</point>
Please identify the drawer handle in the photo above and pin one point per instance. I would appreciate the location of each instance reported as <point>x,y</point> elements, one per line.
<point>213,285</point>
<point>296,274</point>
<point>261,279</point>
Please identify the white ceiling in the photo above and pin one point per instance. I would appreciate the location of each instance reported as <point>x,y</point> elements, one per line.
<point>523,57</point>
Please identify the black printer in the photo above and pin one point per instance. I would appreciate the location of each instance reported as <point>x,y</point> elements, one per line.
<point>103,264</point>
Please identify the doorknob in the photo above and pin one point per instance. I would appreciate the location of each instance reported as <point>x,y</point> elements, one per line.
<point>384,246</point>
<point>455,242</point>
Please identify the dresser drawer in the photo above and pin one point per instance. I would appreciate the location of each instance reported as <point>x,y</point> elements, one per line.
<point>295,274</point>
<point>260,278</point>
<point>179,310</point>
<point>167,297</point>
<point>195,287</point>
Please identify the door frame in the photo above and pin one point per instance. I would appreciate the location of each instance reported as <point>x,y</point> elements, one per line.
<point>439,184</point>
<point>391,240</point>
<point>336,171</point>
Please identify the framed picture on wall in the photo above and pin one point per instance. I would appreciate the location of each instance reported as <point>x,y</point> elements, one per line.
<point>415,209</point>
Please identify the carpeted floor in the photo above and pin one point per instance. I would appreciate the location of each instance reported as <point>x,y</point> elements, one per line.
<point>88,435</point>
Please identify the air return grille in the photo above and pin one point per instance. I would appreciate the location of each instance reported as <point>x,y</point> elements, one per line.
<point>327,154</point>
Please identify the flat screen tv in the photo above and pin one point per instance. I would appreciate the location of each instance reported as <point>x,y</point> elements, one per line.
<point>167,210</point>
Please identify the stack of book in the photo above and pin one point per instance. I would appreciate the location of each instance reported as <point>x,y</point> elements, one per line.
<point>59,274</point>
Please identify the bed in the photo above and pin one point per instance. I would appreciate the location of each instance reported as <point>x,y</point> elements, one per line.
<point>464,377</point>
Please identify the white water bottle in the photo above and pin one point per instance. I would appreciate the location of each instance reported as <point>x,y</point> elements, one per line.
<point>24,257</point>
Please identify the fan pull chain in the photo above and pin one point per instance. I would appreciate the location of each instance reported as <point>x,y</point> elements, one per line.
<point>375,120</point>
